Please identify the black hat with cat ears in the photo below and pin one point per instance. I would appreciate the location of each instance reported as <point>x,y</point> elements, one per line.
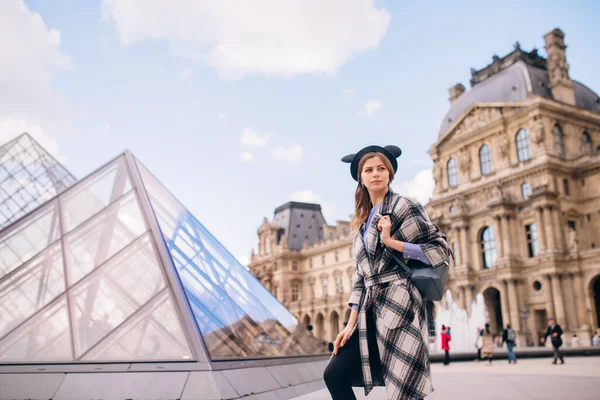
<point>391,152</point>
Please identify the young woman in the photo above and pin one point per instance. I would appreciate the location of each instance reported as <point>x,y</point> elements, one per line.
<point>446,338</point>
<point>385,341</point>
<point>487,349</point>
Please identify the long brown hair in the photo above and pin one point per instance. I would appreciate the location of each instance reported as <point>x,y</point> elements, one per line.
<point>362,200</point>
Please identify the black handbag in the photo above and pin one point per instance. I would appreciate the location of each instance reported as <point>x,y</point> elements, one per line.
<point>429,280</point>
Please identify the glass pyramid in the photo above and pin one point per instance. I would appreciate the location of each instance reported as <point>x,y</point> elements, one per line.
<point>116,269</point>
<point>29,176</point>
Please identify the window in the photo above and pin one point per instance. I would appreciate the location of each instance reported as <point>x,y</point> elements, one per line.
<point>339,288</point>
<point>324,283</point>
<point>295,291</point>
<point>525,190</point>
<point>452,208</point>
<point>559,141</point>
<point>522,140</point>
<point>537,286</point>
<point>322,260</point>
<point>337,257</point>
<point>452,172</point>
<point>533,246</point>
<point>485,159</point>
<point>586,144</point>
<point>312,290</point>
<point>572,225</point>
<point>294,265</point>
<point>276,291</point>
<point>566,186</point>
<point>488,247</point>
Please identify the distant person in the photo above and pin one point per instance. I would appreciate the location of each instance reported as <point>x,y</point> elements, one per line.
<point>449,333</point>
<point>487,348</point>
<point>509,336</point>
<point>575,340</point>
<point>596,340</point>
<point>479,343</point>
<point>446,344</point>
<point>555,332</point>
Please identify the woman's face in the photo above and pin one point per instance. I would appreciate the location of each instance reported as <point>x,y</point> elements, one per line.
<point>375,175</point>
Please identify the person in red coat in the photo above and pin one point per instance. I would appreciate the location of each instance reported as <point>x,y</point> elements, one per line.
<point>446,344</point>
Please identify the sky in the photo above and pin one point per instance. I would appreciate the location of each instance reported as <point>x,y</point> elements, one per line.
<point>241,106</point>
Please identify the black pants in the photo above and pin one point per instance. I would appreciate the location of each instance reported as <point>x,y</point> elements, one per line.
<point>446,357</point>
<point>557,354</point>
<point>344,369</point>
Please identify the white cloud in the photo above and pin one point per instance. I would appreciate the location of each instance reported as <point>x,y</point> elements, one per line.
<point>196,104</point>
<point>30,54</point>
<point>348,92</point>
<point>247,156</point>
<point>221,117</point>
<point>308,196</point>
<point>420,187</point>
<point>270,37</point>
<point>243,260</point>
<point>183,75</point>
<point>291,154</point>
<point>370,108</point>
<point>251,138</point>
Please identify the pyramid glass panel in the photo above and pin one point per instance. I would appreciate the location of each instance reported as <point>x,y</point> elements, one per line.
<point>237,316</point>
<point>153,333</point>
<point>113,292</point>
<point>29,176</point>
<point>30,287</point>
<point>24,240</point>
<point>45,337</point>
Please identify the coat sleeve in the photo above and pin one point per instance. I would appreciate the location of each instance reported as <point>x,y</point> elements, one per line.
<point>358,287</point>
<point>418,229</point>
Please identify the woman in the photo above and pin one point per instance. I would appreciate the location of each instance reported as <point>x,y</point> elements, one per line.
<point>446,338</point>
<point>487,349</point>
<point>385,341</point>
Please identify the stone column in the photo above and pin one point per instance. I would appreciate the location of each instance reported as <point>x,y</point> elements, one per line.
<point>541,228</point>
<point>505,305</point>
<point>580,296</point>
<point>468,299</point>
<point>549,232</point>
<point>570,295</point>
<point>462,301</point>
<point>559,304</point>
<point>499,237</point>
<point>559,229</point>
<point>506,236</point>
<point>456,235</point>
<point>464,243</point>
<point>514,305</point>
<point>547,287</point>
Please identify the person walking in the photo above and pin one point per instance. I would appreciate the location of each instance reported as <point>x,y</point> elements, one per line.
<point>487,348</point>
<point>509,336</point>
<point>555,332</point>
<point>386,339</point>
<point>446,338</point>
<point>479,343</point>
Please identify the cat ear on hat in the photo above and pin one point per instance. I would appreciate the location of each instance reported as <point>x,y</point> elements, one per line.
<point>395,150</point>
<point>348,158</point>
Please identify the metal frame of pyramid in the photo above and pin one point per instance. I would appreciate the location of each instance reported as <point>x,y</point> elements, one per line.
<point>114,269</point>
<point>29,176</point>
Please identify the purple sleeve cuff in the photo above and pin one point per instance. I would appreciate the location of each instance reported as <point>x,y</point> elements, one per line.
<point>414,252</point>
<point>355,306</point>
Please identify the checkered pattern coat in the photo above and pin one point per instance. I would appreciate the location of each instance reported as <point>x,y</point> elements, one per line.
<point>398,308</point>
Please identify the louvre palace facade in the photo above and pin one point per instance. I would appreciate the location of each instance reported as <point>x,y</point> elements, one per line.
<point>517,191</point>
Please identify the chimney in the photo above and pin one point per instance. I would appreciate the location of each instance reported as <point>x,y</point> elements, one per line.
<point>455,92</point>
<point>558,69</point>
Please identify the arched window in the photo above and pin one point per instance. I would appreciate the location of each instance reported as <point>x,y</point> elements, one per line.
<point>488,247</point>
<point>522,141</point>
<point>324,285</point>
<point>485,159</point>
<point>296,291</point>
<point>586,144</point>
<point>452,172</point>
<point>559,141</point>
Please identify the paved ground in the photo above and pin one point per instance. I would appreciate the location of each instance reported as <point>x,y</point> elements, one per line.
<point>577,379</point>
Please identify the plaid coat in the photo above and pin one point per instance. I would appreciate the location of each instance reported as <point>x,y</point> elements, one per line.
<point>398,308</point>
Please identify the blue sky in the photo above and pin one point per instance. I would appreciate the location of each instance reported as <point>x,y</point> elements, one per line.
<point>237,111</point>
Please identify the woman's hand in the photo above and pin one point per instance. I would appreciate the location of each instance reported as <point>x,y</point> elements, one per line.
<point>343,336</point>
<point>385,225</point>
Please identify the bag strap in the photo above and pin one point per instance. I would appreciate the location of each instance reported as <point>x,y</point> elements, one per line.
<point>402,264</point>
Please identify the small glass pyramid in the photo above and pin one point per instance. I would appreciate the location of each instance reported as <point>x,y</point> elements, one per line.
<point>116,269</point>
<point>29,176</point>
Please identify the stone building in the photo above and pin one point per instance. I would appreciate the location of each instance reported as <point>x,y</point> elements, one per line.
<point>517,191</point>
